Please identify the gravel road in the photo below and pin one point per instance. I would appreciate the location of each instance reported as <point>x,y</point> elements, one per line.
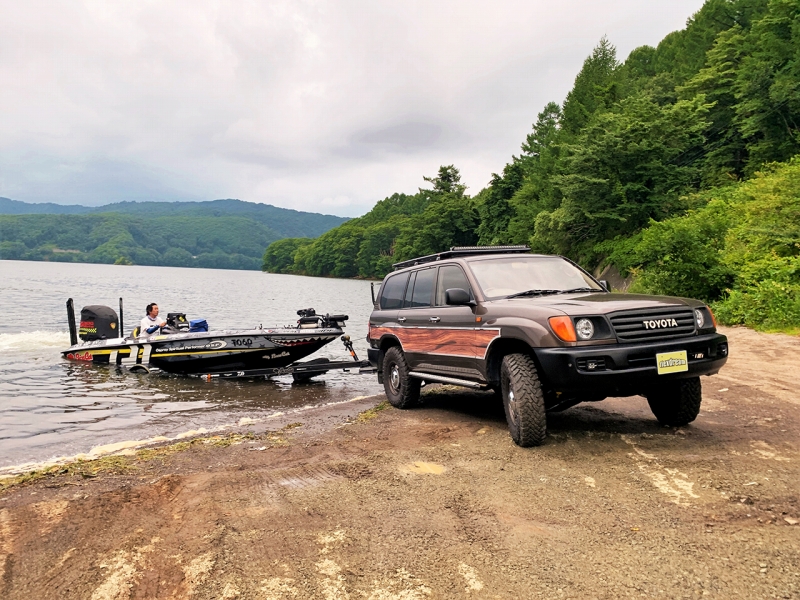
<point>437,502</point>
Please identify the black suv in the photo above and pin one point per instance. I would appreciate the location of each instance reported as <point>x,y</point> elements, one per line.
<point>541,331</point>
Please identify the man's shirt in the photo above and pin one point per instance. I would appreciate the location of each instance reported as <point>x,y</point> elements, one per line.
<point>149,322</point>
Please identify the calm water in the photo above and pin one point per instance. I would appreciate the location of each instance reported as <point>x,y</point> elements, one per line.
<point>52,407</point>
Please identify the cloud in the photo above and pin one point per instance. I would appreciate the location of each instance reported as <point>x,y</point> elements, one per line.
<point>293,103</point>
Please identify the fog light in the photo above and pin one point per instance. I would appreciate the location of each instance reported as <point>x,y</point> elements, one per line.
<point>699,318</point>
<point>584,329</point>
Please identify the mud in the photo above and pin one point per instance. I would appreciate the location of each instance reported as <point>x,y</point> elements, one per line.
<point>437,502</point>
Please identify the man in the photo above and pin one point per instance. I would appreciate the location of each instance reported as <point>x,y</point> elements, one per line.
<point>151,323</point>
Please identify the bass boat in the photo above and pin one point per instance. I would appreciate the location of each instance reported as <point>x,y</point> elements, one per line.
<point>176,348</point>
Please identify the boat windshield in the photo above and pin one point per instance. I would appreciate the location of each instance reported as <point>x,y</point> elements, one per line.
<point>530,276</point>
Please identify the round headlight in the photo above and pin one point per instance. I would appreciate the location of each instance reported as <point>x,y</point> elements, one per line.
<point>699,318</point>
<point>584,329</point>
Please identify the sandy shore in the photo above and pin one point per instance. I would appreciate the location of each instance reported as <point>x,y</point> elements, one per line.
<point>437,502</point>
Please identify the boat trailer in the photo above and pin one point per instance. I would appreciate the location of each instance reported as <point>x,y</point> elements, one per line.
<point>300,371</point>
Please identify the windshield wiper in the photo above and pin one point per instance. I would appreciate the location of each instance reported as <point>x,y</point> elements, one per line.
<point>534,293</point>
<point>575,290</point>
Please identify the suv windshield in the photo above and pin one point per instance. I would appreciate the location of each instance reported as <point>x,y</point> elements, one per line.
<point>502,277</point>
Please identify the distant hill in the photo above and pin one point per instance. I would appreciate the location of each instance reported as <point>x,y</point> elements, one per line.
<point>15,207</point>
<point>283,221</point>
<point>227,234</point>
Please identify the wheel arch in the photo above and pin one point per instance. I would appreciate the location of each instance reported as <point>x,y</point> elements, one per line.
<point>386,342</point>
<point>500,348</point>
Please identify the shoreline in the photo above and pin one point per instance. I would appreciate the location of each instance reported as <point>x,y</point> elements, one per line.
<point>131,448</point>
<point>366,501</point>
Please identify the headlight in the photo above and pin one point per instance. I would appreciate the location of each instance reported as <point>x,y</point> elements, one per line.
<point>584,329</point>
<point>699,318</point>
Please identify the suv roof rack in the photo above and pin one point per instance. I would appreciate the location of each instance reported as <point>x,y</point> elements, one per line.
<point>456,251</point>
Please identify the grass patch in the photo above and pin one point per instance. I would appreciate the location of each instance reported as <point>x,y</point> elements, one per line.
<point>119,464</point>
<point>371,413</point>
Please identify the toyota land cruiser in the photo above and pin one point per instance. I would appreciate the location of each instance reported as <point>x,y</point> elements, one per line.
<point>542,332</point>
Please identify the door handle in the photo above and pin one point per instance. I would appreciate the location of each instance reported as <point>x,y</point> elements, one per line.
<point>435,319</point>
<point>401,319</point>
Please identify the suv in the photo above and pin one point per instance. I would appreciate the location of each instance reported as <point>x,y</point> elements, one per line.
<point>542,332</point>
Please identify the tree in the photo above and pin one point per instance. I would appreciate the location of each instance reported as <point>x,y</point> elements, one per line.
<point>595,88</point>
<point>447,181</point>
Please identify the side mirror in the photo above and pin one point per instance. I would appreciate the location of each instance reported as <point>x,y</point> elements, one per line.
<point>457,297</point>
<point>605,284</point>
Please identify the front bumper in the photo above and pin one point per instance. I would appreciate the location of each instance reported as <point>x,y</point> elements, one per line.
<point>627,368</point>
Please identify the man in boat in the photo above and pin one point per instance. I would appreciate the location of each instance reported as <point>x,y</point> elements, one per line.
<point>152,322</point>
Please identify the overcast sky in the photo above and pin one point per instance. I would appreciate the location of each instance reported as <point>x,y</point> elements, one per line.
<point>320,106</point>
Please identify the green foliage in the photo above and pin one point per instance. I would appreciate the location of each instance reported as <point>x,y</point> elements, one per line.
<point>622,171</point>
<point>741,250</point>
<point>279,256</point>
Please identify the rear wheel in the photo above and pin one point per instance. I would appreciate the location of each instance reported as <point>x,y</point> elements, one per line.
<point>523,400</point>
<point>676,403</point>
<point>402,391</point>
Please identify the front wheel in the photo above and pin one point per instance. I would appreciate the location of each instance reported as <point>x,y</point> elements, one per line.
<point>402,391</point>
<point>676,403</point>
<point>523,400</point>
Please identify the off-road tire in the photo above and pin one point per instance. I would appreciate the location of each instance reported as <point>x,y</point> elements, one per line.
<point>676,403</point>
<point>402,391</point>
<point>523,400</point>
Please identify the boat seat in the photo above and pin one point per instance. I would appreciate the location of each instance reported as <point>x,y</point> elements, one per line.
<point>135,332</point>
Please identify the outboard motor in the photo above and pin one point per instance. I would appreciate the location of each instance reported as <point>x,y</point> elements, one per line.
<point>98,323</point>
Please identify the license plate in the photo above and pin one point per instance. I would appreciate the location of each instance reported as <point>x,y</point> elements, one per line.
<point>672,362</point>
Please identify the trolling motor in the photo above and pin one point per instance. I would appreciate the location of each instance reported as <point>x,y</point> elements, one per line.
<point>309,319</point>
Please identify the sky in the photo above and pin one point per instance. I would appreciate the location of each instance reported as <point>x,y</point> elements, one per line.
<point>312,105</point>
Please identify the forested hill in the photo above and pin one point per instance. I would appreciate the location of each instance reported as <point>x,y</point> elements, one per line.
<point>285,222</point>
<point>227,234</point>
<point>651,164</point>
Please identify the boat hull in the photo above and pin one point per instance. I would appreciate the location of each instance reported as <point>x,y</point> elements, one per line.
<point>192,353</point>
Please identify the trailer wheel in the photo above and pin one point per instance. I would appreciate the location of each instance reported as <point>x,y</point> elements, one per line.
<point>303,377</point>
<point>402,391</point>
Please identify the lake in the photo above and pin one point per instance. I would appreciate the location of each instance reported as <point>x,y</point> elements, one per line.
<point>51,407</point>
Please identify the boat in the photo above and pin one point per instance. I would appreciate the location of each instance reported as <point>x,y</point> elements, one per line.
<point>179,349</point>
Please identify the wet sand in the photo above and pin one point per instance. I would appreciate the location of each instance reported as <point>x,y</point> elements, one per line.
<point>437,502</point>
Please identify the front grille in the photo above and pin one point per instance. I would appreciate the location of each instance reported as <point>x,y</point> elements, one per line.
<point>662,323</point>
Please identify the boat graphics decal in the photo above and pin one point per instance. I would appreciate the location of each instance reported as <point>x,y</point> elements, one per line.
<point>445,341</point>
<point>215,345</point>
<point>80,356</point>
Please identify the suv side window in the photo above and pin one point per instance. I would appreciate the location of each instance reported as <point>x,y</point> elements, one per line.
<point>450,276</point>
<point>392,292</point>
<point>423,288</point>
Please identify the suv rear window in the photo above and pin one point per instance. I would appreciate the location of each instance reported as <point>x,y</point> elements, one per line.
<point>392,292</point>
